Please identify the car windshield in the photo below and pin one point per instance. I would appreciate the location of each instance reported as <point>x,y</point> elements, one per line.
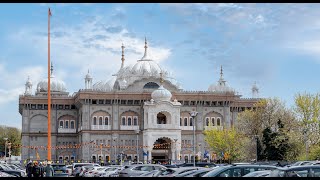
<point>277,173</point>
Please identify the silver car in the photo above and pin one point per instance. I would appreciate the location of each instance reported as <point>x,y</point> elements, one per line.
<point>138,169</point>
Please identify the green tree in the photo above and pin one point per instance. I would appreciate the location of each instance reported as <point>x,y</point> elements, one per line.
<point>228,141</point>
<point>264,118</point>
<point>14,137</point>
<point>307,109</point>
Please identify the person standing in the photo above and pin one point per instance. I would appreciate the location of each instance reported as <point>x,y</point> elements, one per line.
<point>49,170</point>
<point>29,169</point>
<point>36,170</point>
<point>41,169</point>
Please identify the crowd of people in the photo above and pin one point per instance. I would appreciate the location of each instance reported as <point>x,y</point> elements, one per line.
<point>35,169</point>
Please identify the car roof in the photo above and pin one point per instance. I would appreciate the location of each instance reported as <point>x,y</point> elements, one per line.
<point>299,167</point>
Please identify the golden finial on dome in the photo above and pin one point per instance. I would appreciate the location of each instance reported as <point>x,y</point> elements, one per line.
<point>122,58</point>
<point>161,78</point>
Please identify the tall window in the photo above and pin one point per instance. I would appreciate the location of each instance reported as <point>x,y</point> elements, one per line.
<point>100,120</point>
<point>94,120</point>
<point>191,121</point>
<point>123,120</point>
<point>61,124</point>
<point>129,121</point>
<point>67,124</point>
<point>207,121</point>
<point>106,120</point>
<point>180,121</point>
<point>135,121</point>
<point>72,124</point>
<point>212,121</point>
<point>185,121</point>
<point>218,122</point>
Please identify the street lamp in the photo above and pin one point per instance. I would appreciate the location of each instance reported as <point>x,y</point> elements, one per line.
<point>175,150</point>
<point>193,114</point>
<point>114,137</point>
<point>137,132</point>
<point>5,149</point>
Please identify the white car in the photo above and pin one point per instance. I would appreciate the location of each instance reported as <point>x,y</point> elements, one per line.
<point>109,171</point>
<point>89,171</point>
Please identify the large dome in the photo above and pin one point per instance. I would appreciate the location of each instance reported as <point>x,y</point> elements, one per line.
<point>161,94</point>
<point>56,85</point>
<point>105,86</point>
<point>146,68</point>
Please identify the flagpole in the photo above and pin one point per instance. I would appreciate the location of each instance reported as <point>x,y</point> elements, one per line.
<point>49,94</point>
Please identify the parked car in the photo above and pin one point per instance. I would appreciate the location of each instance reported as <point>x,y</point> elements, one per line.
<point>198,164</point>
<point>60,170</point>
<point>153,173</point>
<point>69,169</point>
<point>299,163</point>
<point>173,172</point>
<point>236,170</point>
<point>138,169</point>
<point>16,173</point>
<point>110,171</point>
<point>297,171</point>
<point>258,174</point>
<point>194,173</point>
<point>3,174</point>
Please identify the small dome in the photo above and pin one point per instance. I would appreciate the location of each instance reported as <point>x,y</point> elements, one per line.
<point>56,85</point>
<point>161,94</point>
<point>254,87</point>
<point>220,88</point>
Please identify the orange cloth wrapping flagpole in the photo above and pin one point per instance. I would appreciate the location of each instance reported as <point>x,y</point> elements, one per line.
<point>49,94</point>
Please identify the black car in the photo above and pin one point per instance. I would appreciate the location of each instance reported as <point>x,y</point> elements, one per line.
<point>237,170</point>
<point>297,171</point>
<point>60,170</point>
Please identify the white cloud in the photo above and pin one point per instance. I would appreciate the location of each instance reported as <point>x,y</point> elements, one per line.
<point>92,45</point>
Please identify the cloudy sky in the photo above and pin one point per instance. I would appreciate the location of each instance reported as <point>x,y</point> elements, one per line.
<point>276,45</point>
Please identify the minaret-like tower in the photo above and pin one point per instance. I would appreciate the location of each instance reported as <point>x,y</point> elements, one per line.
<point>145,56</point>
<point>28,86</point>
<point>88,81</point>
<point>255,90</point>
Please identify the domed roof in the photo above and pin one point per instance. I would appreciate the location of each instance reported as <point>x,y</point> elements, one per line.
<point>56,85</point>
<point>255,87</point>
<point>88,76</point>
<point>221,86</point>
<point>105,86</point>
<point>161,94</point>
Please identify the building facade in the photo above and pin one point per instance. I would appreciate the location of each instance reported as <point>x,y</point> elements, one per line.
<point>141,112</point>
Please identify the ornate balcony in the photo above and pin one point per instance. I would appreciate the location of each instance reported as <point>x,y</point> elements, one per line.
<point>100,127</point>
<point>64,130</point>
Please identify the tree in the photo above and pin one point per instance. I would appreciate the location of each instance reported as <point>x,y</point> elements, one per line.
<point>307,109</point>
<point>14,137</point>
<point>226,141</point>
<point>263,120</point>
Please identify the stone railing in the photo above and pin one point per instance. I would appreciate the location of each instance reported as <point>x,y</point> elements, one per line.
<point>213,127</point>
<point>189,128</point>
<point>64,130</point>
<point>100,127</point>
<point>123,127</point>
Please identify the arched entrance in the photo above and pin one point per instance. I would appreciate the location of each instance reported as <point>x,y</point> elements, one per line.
<point>161,151</point>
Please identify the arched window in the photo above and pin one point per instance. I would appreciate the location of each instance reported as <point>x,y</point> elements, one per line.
<point>207,121</point>
<point>61,124</point>
<point>161,118</point>
<point>106,120</point>
<point>123,120</point>
<point>67,124</point>
<point>151,85</point>
<point>135,121</point>
<point>186,159</point>
<point>191,121</point>
<point>100,120</point>
<point>94,120</point>
<point>72,124</point>
<point>185,121</point>
<point>218,122</point>
<point>129,121</point>
<point>212,122</point>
